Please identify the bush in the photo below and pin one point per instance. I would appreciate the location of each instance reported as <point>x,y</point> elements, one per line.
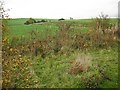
<point>43,20</point>
<point>16,69</point>
<point>61,19</point>
<point>30,21</point>
<point>101,23</point>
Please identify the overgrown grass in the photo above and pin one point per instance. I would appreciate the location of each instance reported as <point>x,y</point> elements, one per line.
<point>59,54</point>
<point>53,71</point>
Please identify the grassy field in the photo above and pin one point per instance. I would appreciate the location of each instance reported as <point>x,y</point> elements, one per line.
<point>58,56</point>
<point>53,72</point>
<point>17,27</point>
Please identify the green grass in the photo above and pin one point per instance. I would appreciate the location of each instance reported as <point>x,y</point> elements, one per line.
<point>52,71</point>
<point>17,27</point>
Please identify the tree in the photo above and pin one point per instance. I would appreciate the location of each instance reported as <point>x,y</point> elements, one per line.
<point>30,21</point>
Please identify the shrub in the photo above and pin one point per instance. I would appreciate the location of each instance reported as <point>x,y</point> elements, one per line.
<point>16,69</point>
<point>101,23</point>
<point>43,20</point>
<point>30,21</point>
<point>18,73</point>
<point>80,64</point>
<point>61,19</point>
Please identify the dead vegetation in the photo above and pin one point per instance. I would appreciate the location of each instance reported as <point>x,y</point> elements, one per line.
<point>81,64</point>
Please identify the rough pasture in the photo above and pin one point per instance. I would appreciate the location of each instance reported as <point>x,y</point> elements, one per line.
<point>59,54</point>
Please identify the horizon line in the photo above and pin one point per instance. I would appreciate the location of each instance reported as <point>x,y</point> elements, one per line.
<point>53,18</point>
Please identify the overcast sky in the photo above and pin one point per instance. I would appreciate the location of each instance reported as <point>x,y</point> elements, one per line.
<point>61,8</point>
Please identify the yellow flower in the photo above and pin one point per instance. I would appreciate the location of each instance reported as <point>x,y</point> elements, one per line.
<point>19,55</point>
<point>114,38</point>
<point>5,39</point>
<point>11,49</point>
<point>16,64</point>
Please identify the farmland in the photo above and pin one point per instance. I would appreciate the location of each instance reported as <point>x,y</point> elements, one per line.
<point>59,54</point>
<point>19,29</point>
